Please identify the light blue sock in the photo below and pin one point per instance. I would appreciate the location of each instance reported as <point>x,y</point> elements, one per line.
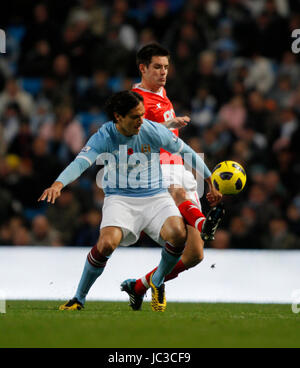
<point>88,277</point>
<point>166,265</point>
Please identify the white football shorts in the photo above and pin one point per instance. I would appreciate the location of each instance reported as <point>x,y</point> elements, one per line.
<point>180,176</point>
<point>136,214</point>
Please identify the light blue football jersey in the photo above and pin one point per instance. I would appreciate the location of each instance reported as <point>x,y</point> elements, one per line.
<point>131,164</point>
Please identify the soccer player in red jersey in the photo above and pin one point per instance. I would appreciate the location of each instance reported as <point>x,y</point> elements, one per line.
<point>153,64</point>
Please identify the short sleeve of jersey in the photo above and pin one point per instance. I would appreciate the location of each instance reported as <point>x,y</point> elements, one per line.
<point>95,145</point>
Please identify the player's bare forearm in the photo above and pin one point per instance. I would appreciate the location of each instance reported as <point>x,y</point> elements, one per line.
<point>213,196</point>
<point>51,194</point>
<point>177,123</point>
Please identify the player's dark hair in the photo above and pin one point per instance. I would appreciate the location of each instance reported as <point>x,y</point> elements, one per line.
<point>121,103</point>
<point>145,54</point>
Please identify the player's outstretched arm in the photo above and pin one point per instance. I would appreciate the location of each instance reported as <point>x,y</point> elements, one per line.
<point>86,157</point>
<point>51,194</point>
<point>177,123</point>
<point>70,173</point>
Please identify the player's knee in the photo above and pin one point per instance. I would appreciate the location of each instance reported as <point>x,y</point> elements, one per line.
<point>178,194</point>
<point>178,236</point>
<point>106,246</point>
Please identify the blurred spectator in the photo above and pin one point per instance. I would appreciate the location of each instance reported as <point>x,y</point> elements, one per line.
<point>289,67</point>
<point>146,36</point>
<point>61,80</point>
<point>111,55</point>
<point>5,235</point>
<point>282,93</point>
<point>21,237</point>
<point>274,187</point>
<point>13,93</point>
<point>258,200</point>
<point>66,134</point>
<point>225,46</point>
<point>214,143</point>
<point>43,116</point>
<point>160,20</point>
<point>241,152</point>
<point>203,108</point>
<point>270,33</point>
<point>222,240</point>
<point>37,61</point>
<point>42,234</point>
<point>205,75</point>
<point>127,35</point>
<point>95,13</point>
<point>77,43</point>
<point>46,166</point>
<point>16,176</point>
<point>94,98</point>
<point>233,115</point>
<point>15,232</point>
<point>260,75</point>
<point>257,113</point>
<point>9,123</point>
<point>41,27</point>
<point>21,144</point>
<point>288,125</point>
<point>249,218</point>
<point>279,237</point>
<point>183,59</point>
<point>63,216</point>
<point>295,100</point>
<point>241,237</point>
<point>6,208</point>
<point>88,233</point>
<point>293,218</point>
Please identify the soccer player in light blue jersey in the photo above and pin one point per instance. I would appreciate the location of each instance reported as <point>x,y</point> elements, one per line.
<point>135,196</point>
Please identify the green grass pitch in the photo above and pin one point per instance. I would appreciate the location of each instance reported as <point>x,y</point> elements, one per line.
<point>182,325</point>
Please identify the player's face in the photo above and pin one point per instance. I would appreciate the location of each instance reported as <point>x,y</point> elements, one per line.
<point>131,123</point>
<point>155,74</point>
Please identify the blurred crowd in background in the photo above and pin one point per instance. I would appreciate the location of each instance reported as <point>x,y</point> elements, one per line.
<point>232,71</point>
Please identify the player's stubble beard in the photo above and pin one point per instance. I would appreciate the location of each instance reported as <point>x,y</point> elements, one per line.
<point>152,83</point>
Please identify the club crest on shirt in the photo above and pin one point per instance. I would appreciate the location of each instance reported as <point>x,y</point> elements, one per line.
<point>145,148</point>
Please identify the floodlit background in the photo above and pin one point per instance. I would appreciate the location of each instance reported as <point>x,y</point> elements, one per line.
<point>232,71</point>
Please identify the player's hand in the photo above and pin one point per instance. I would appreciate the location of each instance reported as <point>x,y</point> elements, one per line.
<point>214,196</point>
<point>52,193</point>
<point>178,122</point>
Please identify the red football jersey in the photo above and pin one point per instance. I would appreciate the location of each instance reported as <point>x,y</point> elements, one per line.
<point>160,109</point>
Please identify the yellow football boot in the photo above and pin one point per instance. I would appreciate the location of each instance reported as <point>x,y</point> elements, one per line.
<point>158,302</point>
<point>73,304</point>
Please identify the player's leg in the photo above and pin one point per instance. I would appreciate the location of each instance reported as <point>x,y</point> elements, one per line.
<point>193,252</point>
<point>192,255</point>
<point>173,233</point>
<point>175,177</point>
<point>167,228</point>
<point>109,239</point>
<point>207,226</point>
